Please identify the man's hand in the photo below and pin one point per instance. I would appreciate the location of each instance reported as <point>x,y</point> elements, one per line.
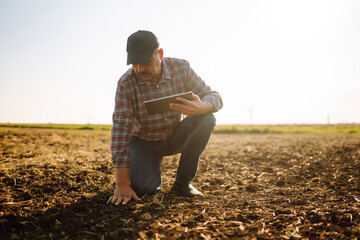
<point>123,194</point>
<point>191,108</point>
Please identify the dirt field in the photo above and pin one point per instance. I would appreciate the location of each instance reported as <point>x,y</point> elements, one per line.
<point>55,184</point>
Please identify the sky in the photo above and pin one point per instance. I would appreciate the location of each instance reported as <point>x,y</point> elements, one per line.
<point>273,62</point>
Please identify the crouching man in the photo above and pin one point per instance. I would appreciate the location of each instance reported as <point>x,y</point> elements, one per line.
<point>140,141</point>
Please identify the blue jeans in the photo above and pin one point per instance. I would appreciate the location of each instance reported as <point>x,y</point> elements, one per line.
<point>189,138</point>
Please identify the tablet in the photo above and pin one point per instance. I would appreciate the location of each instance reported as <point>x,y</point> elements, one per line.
<point>161,105</point>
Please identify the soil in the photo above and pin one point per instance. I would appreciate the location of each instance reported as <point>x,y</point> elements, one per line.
<point>55,185</point>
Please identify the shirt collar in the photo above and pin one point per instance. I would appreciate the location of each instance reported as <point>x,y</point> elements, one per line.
<point>165,75</point>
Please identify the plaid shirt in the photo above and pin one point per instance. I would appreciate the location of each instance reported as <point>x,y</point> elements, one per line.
<point>130,117</point>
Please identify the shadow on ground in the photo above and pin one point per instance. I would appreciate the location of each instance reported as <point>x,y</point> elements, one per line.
<point>89,218</point>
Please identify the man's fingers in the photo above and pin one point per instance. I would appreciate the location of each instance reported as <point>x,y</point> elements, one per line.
<point>126,200</point>
<point>123,199</point>
<point>183,100</point>
<point>180,106</point>
<point>115,200</point>
<point>119,200</point>
<point>112,199</point>
<point>136,197</point>
<point>196,97</point>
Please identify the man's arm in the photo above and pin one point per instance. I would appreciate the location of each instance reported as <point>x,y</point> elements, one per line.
<point>120,140</point>
<point>197,85</point>
<point>123,193</point>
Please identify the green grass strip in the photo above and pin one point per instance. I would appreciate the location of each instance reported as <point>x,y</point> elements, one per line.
<point>236,128</point>
<point>59,126</point>
<point>289,128</point>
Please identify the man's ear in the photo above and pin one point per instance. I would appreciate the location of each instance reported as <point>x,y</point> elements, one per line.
<point>161,54</point>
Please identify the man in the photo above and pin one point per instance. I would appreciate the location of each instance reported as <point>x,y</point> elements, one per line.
<point>138,140</point>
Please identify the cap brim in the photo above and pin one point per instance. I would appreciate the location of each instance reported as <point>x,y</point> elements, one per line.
<point>139,57</point>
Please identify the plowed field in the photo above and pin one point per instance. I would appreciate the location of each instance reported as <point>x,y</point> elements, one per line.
<point>55,185</point>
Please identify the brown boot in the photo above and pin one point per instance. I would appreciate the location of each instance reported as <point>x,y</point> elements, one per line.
<point>186,190</point>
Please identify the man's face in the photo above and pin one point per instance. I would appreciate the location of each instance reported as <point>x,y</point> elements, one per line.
<point>152,70</point>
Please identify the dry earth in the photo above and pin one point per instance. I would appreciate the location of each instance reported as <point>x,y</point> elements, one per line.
<point>55,184</point>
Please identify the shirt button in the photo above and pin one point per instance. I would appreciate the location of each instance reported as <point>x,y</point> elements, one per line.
<point>157,85</point>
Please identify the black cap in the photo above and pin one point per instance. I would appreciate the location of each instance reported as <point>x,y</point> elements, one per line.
<point>140,47</point>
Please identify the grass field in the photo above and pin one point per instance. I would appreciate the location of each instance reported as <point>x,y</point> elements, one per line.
<point>290,128</point>
<point>57,126</point>
<point>257,129</point>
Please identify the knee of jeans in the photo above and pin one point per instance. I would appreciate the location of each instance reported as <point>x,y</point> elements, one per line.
<point>146,189</point>
<point>210,120</point>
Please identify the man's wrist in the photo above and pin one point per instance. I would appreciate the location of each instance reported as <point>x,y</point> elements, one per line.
<point>122,177</point>
<point>208,107</point>
<point>122,184</point>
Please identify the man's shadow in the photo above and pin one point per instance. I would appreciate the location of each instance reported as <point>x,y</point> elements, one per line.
<point>90,218</point>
